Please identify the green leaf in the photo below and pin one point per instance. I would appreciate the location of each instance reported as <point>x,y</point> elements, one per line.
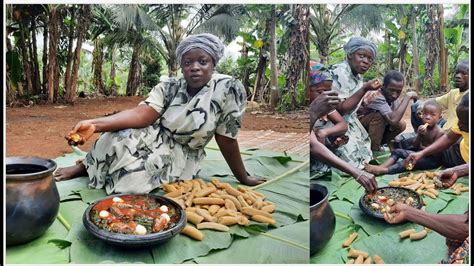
<point>86,248</point>
<point>287,244</point>
<point>332,252</point>
<point>40,250</point>
<point>393,250</point>
<point>190,248</point>
<point>351,191</point>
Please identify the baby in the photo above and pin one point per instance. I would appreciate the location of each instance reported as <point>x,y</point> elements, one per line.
<point>427,134</point>
<point>330,135</point>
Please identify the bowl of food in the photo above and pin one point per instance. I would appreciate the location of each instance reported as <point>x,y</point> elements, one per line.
<point>377,204</point>
<point>134,220</point>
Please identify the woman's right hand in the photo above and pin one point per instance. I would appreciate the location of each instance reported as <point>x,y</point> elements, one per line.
<point>85,128</point>
<point>367,180</point>
<point>372,85</point>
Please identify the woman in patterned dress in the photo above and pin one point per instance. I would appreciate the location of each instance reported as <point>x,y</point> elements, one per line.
<point>162,140</point>
<point>349,84</point>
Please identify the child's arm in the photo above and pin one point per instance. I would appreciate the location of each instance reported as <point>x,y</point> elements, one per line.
<point>339,128</point>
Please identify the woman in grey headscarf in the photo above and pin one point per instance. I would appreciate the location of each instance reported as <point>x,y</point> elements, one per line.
<point>162,139</point>
<point>348,83</point>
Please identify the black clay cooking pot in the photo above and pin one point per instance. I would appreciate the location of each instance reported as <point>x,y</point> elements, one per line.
<point>322,219</point>
<point>129,240</point>
<point>32,198</point>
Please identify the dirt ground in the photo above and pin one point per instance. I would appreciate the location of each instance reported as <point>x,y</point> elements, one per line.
<point>39,130</point>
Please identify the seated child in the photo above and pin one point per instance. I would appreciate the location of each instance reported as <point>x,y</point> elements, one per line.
<point>329,129</point>
<point>427,134</point>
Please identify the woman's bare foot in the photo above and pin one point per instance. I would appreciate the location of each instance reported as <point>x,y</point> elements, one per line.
<point>375,169</point>
<point>70,172</point>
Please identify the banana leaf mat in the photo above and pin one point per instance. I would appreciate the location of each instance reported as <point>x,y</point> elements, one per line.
<point>67,240</point>
<point>378,237</point>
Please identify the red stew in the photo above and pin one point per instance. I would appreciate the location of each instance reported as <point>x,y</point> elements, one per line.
<point>129,214</point>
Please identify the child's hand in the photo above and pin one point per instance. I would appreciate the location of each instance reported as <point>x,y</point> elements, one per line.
<point>422,130</point>
<point>339,141</point>
<point>412,159</point>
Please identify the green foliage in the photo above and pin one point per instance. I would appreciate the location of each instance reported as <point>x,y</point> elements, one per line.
<point>228,66</point>
<point>151,75</point>
<point>14,65</point>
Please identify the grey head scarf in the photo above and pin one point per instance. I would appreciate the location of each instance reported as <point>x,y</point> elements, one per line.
<point>356,43</point>
<point>211,44</point>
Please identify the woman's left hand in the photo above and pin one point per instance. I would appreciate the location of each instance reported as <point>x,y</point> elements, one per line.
<point>252,180</point>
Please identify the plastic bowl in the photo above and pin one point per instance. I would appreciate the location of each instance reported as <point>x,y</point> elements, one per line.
<point>364,201</point>
<point>127,240</point>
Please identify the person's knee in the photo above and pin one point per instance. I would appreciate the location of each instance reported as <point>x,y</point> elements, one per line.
<point>402,125</point>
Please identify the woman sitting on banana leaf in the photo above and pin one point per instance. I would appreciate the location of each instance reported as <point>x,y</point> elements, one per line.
<point>162,140</point>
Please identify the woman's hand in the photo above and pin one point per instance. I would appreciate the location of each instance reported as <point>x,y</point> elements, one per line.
<point>252,180</point>
<point>448,177</point>
<point>372,85</point>
<point>367,180</point>
<point>84,128</point>
<point>397,213</point>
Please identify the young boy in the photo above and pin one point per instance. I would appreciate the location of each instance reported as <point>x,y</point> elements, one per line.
<point>330,128</point>
<point>427,134</point>
<point>452,148</point>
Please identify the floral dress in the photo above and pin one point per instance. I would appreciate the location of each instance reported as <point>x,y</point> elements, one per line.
<point>139,160</point>
<point>357,150</point>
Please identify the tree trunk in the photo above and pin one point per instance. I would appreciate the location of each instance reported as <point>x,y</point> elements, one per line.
<point>97,62</point>
<point>83,20</point>
<point>273,64</point>
<point>34,49</point>
<point>113,88</point>
<point>298,54</point>
<point>11,90</point>
<point>402,55</point>
<point>133,73</point>
<point>443,53</point>
<point>53,48</point>
<point>389,59</point>
<point>45,56</point>
<point>431,39</point>
<point>25,58</point>
<point>245,75</point>
<point>416,60</point>
<point>70,54</point>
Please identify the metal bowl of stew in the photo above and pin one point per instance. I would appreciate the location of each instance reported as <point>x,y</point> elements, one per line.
<point>128,214</point>
<point>382,196</point>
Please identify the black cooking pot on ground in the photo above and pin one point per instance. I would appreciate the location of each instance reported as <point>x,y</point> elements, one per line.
<point>322,219</point>
<point>32,198</point>
<point>132,240</point>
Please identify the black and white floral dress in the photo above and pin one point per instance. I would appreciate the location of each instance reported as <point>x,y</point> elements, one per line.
<point>139,160</point>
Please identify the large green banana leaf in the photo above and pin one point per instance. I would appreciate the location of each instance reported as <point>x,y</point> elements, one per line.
<point>287,244</point>
<point>376,236</point>
<point>287,187</point>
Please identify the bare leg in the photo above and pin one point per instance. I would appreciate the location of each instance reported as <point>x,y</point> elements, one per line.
<point>70,172</point>
<point>389,162</point>
<point>375,169</point>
